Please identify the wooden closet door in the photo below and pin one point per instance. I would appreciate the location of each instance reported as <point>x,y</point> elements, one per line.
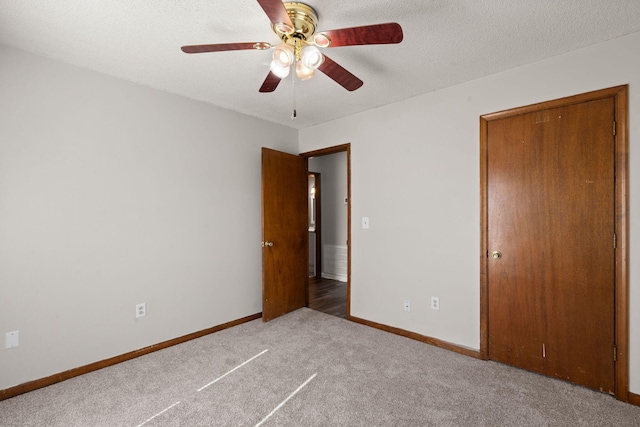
<point>551,219</point>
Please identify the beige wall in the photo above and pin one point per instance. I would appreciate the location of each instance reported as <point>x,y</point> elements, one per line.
<point>415,174</point>
<point>113,194</point>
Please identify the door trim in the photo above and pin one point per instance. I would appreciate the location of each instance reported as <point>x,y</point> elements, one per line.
<point>332,150</point>
<point>621,308</point>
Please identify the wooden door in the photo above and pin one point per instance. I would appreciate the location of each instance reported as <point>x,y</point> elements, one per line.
<point>285,233</point>
<point>551,216</point>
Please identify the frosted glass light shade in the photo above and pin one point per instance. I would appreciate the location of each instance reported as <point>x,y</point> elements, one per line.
<point>283,55</point>
<point>303,72</point>
<point>311,57</point>
<point>279,70</point>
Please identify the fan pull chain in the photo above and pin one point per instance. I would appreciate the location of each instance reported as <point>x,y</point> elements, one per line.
<point>294,113</point>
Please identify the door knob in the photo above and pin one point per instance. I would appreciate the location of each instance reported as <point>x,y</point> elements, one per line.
<point>496,254</point>
<point>267,243</point>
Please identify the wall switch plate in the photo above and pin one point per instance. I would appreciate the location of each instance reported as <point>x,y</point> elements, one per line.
<point>141,310</point>
<point>12,339</point>
<point>365,222</point>
<point>435,303</point>
<point>407,305</point>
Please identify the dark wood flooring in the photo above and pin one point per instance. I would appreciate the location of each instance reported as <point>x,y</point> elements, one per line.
<point>328,296</point>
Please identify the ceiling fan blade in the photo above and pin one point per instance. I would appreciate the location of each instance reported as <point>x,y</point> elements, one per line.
<point>270,83</point>
<point>201,48</point>
<point>276,12</point>
<point>339,74</point>
<point>369,34</point>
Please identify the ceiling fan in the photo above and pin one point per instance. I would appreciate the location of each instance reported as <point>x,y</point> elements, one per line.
<point>295,25</point>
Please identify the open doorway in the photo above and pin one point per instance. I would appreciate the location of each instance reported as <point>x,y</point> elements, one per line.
<point>315,224</point>
<point>329,230</point>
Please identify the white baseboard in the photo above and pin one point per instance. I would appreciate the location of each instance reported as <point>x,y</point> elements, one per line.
<point>334,262</point>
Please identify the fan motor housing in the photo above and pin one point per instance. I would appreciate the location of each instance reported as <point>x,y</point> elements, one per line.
<point>304,19</point>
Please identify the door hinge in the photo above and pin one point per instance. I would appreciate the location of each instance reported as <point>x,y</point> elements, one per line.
<point>614,128</point>
<point>615,353</point>
<point>615,241</point>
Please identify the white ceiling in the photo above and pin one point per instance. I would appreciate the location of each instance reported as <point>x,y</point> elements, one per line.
<point>446,42</point>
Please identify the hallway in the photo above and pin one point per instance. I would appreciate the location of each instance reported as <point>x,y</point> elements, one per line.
<point>328,296</point>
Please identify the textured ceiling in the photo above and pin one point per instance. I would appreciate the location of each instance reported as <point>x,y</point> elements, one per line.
<point>446,42</point>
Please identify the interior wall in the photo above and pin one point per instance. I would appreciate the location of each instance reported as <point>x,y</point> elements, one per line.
<point>113,194</point>
<point>415,174</point>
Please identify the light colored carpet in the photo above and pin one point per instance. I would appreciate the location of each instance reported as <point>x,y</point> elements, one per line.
<point>363,377</point>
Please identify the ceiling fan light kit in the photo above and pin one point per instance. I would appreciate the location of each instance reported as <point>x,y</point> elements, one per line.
<point>295,24</point>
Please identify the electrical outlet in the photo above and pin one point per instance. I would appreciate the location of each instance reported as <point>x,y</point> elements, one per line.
<point>435,303</point>
<point>12,339</point>
<point>407,305</point>
<point>141,310</point>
